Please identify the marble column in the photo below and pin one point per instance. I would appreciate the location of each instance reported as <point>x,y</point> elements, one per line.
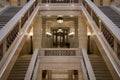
<point>39,75</point>
<point>80,75</point>
<point>70,75</point>
<point>37,31</point>
<point>49,74</point>
<point>82,32</point>
<point>13,2</point>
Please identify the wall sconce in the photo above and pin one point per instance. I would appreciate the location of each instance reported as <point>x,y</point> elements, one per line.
<point>71,34</point>
<point>60,20</point>
<point>31,43</point>
<point>88,45</point>
<point>88,33</point>
<point>31,34</point>
<point>48,34</point>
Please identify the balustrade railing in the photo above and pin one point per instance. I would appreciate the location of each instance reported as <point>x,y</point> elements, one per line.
<point>10,31</point>
<point>1,51</point>
<point>107,31</point>
<point>107,34</point>
<point>60,1</point>
<point>95,18</point>
<point>88,66</point>
<point>60,53</point>
<point>10,55</point>
<point>118,50</point>
<point>31,68</point>
<point>11,37</point>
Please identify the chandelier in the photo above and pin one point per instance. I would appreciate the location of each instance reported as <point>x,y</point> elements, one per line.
<point>59,30</point>
<point>60,20</point>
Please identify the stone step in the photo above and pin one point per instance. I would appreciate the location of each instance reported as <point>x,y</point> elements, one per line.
<point>19,69</point>
<point>19,72</point>
<point>23,64</point>
<point>104,78</point>
<point>6,15</point>
<point>16,78</point>
<point>103,75</point>
<point>100,69</point>
<point>110,13</point>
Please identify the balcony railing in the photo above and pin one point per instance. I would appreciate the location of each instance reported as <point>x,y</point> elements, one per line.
<point>59,52</point>
<point>106,33</point>
<point>31,72</point>
<point>87,65</point>
<point>104,24</point>
<point>60,1</point>
<point>10,31</point>
<point>12,36</point>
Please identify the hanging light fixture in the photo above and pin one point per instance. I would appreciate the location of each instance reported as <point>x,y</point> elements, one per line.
<point>60,30</point>
<point>60,20</point>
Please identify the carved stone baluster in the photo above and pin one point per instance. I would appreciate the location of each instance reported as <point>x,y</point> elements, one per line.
<point>1,51</point>
<point>118,50</point>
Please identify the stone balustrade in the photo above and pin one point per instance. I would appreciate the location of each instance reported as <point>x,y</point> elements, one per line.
<point>60,1</point>
<point>60,53</point>
<point>109,34</point>
<point>10,35</point>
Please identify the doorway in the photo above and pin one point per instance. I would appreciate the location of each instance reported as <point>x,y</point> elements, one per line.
<point>60,37</point>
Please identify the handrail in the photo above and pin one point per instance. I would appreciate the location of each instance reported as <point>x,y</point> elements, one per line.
<point>85,74</point>
<point>10,53</point>
<point>9,26</point>
<point>115,8</point>
<point>32,65</point>
<point>13,28</point>
<point>88,65</point>
<point>114,61</point>
<point>105,19</point>
<point>34,76</point>
<point>105,25</point>
<point>60,51</point>
<point>4,8</point>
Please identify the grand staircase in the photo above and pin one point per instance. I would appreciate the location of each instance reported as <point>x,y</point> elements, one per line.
<point>99,67</point>
<point>110,13</point>
<point>20,68</point>
<point>7,14</point>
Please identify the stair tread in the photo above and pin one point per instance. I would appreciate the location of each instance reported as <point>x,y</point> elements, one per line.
<point>100,69</point>
<point>7,14</point>
<point>19,69</point>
